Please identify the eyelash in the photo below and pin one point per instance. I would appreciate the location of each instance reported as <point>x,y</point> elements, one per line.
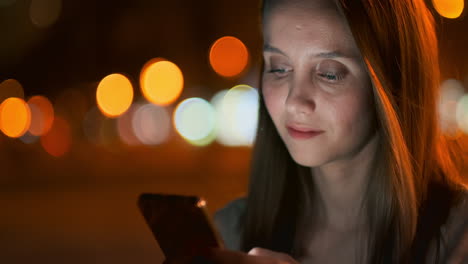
<point>331,77</point>
<point>327,76</point>
<point>278,71</point>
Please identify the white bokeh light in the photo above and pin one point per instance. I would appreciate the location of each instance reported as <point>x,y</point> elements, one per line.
<point>451,91</point>
<point>151,124</point>
<point>237,115</point>
<point>195,120</point>
<point>462,113</point>
<point>125,126</point>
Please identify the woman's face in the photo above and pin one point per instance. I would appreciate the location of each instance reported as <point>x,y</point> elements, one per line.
<point>315,84</point>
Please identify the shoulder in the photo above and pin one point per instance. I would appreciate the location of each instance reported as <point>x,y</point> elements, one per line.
<point>228,220</point>
<point>455,231</point>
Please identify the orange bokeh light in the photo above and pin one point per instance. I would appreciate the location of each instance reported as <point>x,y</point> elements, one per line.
<point>57,141</point>
<point>449,8</point>
<point>161,81</point>
<point>228,56</point>
<point>114,95</point>
<point>15,117</point>
<point>42,115</point>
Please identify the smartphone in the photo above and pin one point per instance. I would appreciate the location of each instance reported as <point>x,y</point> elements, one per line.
<point>180,224</point>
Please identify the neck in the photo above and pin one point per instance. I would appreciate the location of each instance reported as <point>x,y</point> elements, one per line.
<point>340,187</point>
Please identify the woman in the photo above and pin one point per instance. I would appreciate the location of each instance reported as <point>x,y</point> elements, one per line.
<point>349,164</point>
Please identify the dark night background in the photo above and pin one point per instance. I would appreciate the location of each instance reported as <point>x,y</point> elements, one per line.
<point>81,208</point>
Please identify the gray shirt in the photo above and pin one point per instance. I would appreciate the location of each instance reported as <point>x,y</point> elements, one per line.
<point>227,220</point>
<point>454,231</point>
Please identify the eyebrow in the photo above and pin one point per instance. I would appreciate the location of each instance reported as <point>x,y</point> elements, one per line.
<point>327,55</point>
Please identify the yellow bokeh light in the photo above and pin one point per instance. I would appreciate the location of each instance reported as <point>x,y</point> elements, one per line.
<point>449,8</point>
<point>228,56</point>
<point>114,95</point>
<point>161,81</point>
<point>42,115</point>
<point>15,117</point>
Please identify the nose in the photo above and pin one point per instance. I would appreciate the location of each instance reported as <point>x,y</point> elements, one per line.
<point>301,98</point>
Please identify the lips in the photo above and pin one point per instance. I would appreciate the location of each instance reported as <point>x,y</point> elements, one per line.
<point>300,132</point>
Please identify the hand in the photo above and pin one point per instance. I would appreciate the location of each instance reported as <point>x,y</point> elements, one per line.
<point>255,256</point>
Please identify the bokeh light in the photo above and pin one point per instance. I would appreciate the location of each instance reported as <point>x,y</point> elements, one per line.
<point>114,95</point>
<point>451,91</point>
<point>151,124</point>
<point>73,104</point>
<point>42,115</point>
<point>161,81</point>
<point>228,56</point>
<point>195,121</point>
<point>449,8</point>
<point>125,126</point>
<point>11,88</point>
<point>108,134</point>
<point>44,13</point>
<point>4,3</point>
<point>462,114</point>
<point>92,125</point>
<point>237,115</point>
<point>15,117</point>
<point>57,141</point>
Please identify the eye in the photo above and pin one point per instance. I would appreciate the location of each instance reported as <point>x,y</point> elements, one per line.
<point>331,76</point>
<point>331,71</point>
<point>279,72</point>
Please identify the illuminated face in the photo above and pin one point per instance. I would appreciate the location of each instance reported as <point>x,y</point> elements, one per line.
<point>315,84</point>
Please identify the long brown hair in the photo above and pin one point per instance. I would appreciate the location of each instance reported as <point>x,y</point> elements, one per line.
<point>398,43</point>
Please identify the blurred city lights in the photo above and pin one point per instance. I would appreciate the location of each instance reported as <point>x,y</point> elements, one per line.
<point>72,104</point>
<point>92,125</point>
<point>161,81</point>
<point>42,115</point>
<point>151,124</point>
<point>125,126</point>
<point>11,88</point>
<point>114,95</point>
<point>44,13</point>
<point>237,115</point>
<point>108,134</point>
<point>228,56</point>
<point>449,8</point>
<point>451,91</point>
<point>57,141</point>
<point>195,121</point>
<point>462,113</point>
<point>15,117</point>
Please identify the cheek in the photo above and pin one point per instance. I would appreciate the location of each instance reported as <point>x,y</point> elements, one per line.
<point>352,115</point>
<point>274,102</point>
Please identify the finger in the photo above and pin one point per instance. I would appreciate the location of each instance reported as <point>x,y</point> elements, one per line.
<point>235,257</point>
<point>257,251</point>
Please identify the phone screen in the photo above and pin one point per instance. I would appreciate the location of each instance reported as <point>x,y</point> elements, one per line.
<point>179,223</point>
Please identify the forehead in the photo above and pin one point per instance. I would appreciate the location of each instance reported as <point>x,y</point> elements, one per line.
<point>317,24</point>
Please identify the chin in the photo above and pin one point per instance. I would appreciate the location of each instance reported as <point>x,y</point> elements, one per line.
<point>309,159</point>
